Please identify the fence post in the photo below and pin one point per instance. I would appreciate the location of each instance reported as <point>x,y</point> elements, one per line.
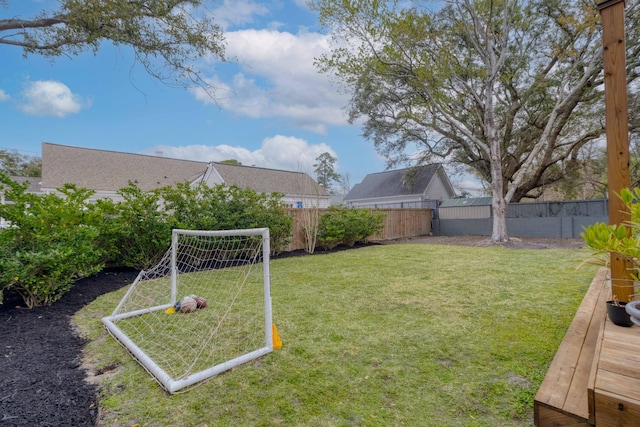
<point>617,131</point>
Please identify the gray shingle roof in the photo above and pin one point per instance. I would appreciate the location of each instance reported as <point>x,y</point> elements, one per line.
<point>111,170</point>
<point>398,182</point>
<point>34,183</point>
<point>265,180</point>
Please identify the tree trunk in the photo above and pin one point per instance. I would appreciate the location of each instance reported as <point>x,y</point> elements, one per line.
<point>498,203</point>
<point>499,232</point>
<point>499,206</point>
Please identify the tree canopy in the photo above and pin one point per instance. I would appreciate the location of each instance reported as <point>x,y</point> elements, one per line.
<point>12,163</point>
<point>167,36</point>
<point>512,90</point>
<point>325,170</point>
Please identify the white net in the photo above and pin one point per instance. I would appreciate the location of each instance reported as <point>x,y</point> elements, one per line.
<point>228,321</point>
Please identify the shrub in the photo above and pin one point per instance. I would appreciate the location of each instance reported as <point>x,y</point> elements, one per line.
<point>55,239</point>
<point>137,231</point>
<point>224,207</point>
<point>341,225</point>
<point>49,243</point>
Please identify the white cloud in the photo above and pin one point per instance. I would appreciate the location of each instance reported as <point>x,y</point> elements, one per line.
<point>238,12</point>
<point>278,79</point>
<point>4,96</point>
<point>277,152</point>
<point>50,98</point>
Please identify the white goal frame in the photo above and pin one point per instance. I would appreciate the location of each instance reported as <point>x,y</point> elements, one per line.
<point>173,385</point>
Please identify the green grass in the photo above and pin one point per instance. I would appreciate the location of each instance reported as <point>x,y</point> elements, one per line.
<point>179,343</point>
<point>414,335</point>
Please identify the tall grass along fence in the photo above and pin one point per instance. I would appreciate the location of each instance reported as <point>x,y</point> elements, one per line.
<point>398,224</point>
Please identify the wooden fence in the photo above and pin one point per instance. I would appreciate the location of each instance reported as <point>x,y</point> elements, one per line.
<point>398,224</point>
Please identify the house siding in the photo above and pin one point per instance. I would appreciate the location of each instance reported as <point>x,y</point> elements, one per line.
<point>437,190</point>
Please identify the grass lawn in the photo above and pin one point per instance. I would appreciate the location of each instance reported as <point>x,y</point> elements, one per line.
<point>413,335</point>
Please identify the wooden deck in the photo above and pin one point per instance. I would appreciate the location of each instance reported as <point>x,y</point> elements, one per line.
<point>594,378</point>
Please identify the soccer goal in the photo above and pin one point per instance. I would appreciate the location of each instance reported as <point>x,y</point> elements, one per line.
<point>203,309</point>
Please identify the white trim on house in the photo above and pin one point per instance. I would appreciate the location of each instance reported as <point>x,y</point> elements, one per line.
<point>211,176</point>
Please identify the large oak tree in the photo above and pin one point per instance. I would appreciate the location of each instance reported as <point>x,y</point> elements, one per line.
<point>510,89</point>
<point>167,36</point>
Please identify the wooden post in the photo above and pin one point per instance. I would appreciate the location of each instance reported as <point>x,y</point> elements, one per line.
<point>617,131</point>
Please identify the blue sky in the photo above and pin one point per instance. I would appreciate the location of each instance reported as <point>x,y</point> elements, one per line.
<point>275,109</point>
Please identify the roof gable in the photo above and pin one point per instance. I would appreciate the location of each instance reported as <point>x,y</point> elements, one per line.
<point>400,182</point>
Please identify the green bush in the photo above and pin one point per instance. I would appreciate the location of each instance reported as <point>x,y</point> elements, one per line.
<point>50,242</point>
<point>341,225</point>
<point>137,231</point>
<point>224,207</point>
<point>55,239</point>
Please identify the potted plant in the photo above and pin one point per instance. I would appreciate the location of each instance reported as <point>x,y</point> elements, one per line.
<point>621,239</point>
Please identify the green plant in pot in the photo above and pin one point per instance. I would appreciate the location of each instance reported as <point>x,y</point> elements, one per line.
<point>623,240</point>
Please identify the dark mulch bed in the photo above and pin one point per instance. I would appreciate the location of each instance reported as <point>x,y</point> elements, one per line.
<point>41,382</point>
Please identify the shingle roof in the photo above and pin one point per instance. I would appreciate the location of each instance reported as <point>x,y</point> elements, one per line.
<point>265,180</point>
<point>398,182</point>
<point>34,183</point>
<point>111,171</point>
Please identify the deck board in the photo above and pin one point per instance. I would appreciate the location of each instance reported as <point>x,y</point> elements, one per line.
<point>617,384</point>
<point>594,379</point>
<point>563,396</point>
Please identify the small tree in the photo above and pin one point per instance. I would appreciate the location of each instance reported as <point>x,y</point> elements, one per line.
<point>13,163</point>
<point>325,170</point>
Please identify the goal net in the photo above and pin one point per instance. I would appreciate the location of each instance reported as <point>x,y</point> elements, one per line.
<point>203,309</point>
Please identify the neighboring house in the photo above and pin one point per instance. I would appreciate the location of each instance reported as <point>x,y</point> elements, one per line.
<point>402,188</point>
<point>106,172</point>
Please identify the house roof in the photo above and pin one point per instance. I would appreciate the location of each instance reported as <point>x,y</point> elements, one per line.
<point>34,183</point>
<point>400,182</point>
<point>265,180</point>
<point>471,201</point>
<point>111,170</point>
